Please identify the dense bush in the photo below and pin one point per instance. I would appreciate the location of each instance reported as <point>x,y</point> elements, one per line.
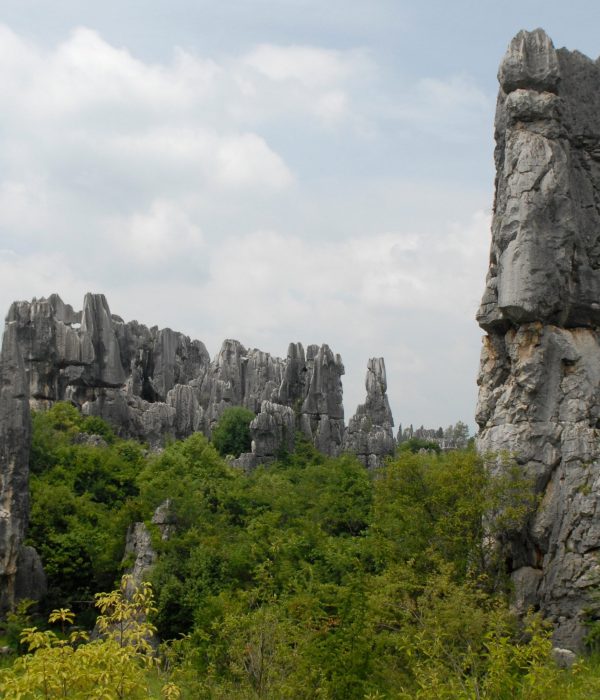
<point>83,497</point>
<point>231,435</point>
<point>308,578</point>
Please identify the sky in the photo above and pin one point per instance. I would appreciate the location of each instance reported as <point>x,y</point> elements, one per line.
<point>267,170</point>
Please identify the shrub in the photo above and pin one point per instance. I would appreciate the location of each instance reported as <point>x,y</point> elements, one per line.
<point>231,436</point>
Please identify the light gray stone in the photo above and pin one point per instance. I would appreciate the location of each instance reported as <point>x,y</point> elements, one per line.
<point>539,378</point>
<point>140,555</point>
<point>369,434</point>
<point>15,435</point>
<point>272,430</point>
<point>563,658</point>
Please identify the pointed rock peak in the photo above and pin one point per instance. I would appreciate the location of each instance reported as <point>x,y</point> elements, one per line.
<point>63,312</point>
<point>231,346</point>
<point>530,63</point>
<point>96,313</point>
<point>375,381</point>
<point>296,352</point>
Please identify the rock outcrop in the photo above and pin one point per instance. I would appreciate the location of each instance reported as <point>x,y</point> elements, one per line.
<point>369,434</point>
<point>309,399</point>
<point>21,573</point>
<point>140,556</point>
<point>151,384</point>
<point>540,367</point>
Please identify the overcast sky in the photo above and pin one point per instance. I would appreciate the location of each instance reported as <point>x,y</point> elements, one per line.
<point>267,170</point>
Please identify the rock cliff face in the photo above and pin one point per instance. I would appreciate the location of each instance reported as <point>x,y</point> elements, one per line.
<point>540,365</point>
<point>307,399</point>
<point>21,574</point>
<point>151,384</point>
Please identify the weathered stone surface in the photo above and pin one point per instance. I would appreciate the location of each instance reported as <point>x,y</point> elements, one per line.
<point>369,434</point>
<point>272,430</point>
<point>15,435</point>
<point>246,461</point>
<point>30,580</point>
<point>189,415</point>
<point>100,352</point>
<point>151,384</point>
<point>322,410</point>
<point>453,437</point>
<point>530,63</point>
<point>540,364</point>
<point>563,658</point>
<point>140,555</point>
<point>163,518</point>
<point>295,378</point>
<point>175,359</point>
<point>239,377</point>
<point>223,385</point>
<point>545,256</point>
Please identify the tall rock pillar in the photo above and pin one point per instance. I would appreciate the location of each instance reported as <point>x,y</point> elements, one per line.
<point>369,434</point>
<point>539,378</point>
<point>21,574</point>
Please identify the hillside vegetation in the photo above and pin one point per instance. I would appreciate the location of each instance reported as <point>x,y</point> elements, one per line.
<point>308,578</point>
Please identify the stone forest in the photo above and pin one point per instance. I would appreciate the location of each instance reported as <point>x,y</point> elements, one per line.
<point>319,559</point>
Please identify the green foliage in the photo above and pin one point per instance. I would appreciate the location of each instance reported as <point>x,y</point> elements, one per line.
<point>231,435</point>
<point>308,578</point>
<point>83,497</point>
<point>414,445</point>
<point>96,426</point>
<point>17,621</point>
<point>116,665</point>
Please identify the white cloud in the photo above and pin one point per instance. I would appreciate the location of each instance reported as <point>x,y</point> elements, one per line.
<point>450,108</point>
<point>159,236</point>
<point>295,277</point>
<point>34,275</point>
<point>312,67</point>
<point>191,193</point>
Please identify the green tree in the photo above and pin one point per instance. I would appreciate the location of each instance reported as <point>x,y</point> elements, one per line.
<point>231,435</point>
<point>415,445</point>
<point>83,497</point>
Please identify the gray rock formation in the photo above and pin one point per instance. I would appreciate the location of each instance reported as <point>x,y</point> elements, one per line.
<point>239,377</point>
<point>308,398</point>
<point>21,573</point>
<point>140,555</point>
<point>322,411</point>
<point>152,384</point>
<point>273,431</point>
<point>369,434</point>
<point>540,366</point>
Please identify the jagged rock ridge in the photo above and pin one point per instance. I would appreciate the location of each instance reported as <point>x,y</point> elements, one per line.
<point>151,383</point>
<point>540,366</point>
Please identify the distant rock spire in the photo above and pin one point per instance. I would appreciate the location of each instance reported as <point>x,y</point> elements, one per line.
<point>369,434</point>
